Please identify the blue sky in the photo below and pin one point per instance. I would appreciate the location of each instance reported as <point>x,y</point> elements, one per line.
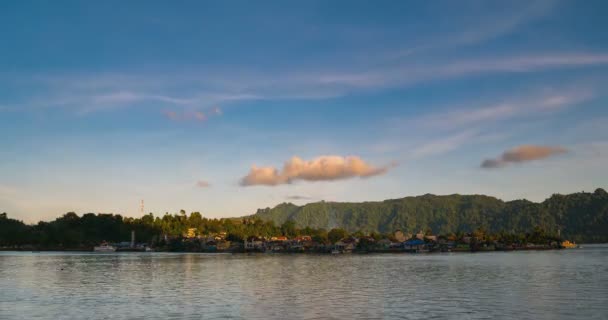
<point>203,106</point>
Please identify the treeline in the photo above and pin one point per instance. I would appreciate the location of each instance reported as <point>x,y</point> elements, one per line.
<point>170,232</point>
<point>75,232</point>
<point>582,217</point>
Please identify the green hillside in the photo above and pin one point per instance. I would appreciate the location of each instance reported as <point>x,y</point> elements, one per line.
<point>580,216</point>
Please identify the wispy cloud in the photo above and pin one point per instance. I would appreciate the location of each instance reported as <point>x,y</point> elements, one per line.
<point>324,168</point>
<point>525,63</point>
<point>484,27</point>
<point>443,145</point>
<point>465,117</point>
<point>456,126</point>
<point>522,153</point>
<point>496,26</point>
<point>197,115</point>
<point>194,90</point>
<point>407,74</point>
<point>298,197</point>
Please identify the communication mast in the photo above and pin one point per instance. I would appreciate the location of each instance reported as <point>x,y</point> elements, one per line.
<point>141,208</point>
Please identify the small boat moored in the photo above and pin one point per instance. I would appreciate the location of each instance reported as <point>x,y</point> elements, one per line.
<point>104,247</point>
<point>569,245</point>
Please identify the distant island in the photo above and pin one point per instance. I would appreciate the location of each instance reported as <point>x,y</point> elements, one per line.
<point>411,224</point>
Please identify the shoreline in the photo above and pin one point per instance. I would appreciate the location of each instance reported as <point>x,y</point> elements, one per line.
<point>237,252</point>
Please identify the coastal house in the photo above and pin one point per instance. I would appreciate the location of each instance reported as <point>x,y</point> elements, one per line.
<point>399,236</point>
<point>217,245</point>
<point>303,238</point>
<point>296,247</point>
<point>301,243</point>
<point>211,245</point>
<point>190,233</point>
<point>384,244</point>
<point>464,247</point>
<point>254,243</point>
<point>347,244</point>
<point>279,238</point>
<point>276,245</point>
<point>415,245</point>
<point>420,235</point>
<point>223,245</point>
<point>430,238</point>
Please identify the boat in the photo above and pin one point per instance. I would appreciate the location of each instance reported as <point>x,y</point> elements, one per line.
<point>335,251</point>
<point>104,247</point>
<point>569,245</point>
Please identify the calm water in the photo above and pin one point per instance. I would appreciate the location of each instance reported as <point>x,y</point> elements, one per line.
<point>567,284</point>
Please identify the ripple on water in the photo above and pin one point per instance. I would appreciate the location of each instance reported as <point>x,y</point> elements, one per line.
<point>567,284</point>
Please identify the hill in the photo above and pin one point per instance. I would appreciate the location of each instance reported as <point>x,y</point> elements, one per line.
<point>580,216</point>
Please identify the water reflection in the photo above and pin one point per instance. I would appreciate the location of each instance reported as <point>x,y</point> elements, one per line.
<point>533,285</point>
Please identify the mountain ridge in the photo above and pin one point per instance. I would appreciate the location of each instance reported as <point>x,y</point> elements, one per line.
<point>581,216</point>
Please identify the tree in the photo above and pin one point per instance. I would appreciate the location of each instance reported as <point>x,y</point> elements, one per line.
<point>336,235</point>
<point>288,228</point>
<point>320,238</point>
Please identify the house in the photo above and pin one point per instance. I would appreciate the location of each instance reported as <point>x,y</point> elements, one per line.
<point>431,238</point>
<point>217,245</point>
<point>296,247</point>
<point>384,243</point>
<point>190,233</point>
<point>420,235</point>
<point>211,245</point>
<point>347,244</point>
<point>254,243</point>
<point>223,245</point>
<point>399,236</point>
<point>280,238</point>
<point>276,245</point>
<point>415,245</point>
<point>303,238</point>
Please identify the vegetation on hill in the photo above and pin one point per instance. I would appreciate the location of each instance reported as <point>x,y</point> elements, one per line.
<point>580,216</point>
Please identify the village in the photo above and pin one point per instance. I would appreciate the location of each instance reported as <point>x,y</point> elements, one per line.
<point>397,242</point>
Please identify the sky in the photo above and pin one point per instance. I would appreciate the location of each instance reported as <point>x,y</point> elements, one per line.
<point>224,107</point>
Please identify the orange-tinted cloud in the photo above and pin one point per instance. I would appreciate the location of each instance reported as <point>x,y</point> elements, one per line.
<point>199,116</point>
<point>522,154</point>
<point>323,168</point>
<point>203,184</point>
<point>172,115</point>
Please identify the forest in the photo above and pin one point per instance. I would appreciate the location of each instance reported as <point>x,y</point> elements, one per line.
<point>582,217</point>
<point>579,216</point>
